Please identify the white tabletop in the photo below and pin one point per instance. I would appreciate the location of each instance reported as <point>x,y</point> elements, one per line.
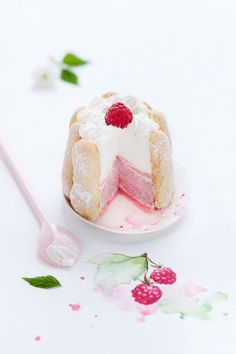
<point>180,57</point>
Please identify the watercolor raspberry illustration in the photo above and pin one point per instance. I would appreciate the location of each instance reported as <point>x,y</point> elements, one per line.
<point>118,115</point>
<point>146,294</point>
<point>116,271</point>
<point>163,275</point>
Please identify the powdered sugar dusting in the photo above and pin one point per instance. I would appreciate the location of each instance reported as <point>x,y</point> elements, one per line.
<point>78,192</point>
<point>79,164</point>
<point>154,151</point>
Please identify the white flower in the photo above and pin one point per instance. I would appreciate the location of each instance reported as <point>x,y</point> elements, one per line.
<point>45,76</point>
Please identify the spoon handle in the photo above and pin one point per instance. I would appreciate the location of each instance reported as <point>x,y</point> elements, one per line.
<point>22,185</point>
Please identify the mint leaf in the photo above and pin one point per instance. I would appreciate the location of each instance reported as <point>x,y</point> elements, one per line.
<point>114,269</point>
<point>44,282</point>
<point>69,76</point>
<point>72,60</point>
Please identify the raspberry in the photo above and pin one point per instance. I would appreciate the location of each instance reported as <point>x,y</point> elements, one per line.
<point>118,115</point>
<point>163,276</point>
<point>146,294</point>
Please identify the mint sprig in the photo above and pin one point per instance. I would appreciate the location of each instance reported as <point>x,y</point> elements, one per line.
<point>73,60</point>
<point>44,282</point>
<point>67,65</point>
<point>69,76</point>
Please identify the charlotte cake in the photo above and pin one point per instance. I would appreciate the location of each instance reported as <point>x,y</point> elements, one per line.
<point>117,142</point>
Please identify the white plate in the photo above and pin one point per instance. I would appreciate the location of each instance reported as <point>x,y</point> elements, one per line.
<point>123,216</point>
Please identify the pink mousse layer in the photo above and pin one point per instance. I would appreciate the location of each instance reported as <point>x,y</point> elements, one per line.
<point>136,184</point>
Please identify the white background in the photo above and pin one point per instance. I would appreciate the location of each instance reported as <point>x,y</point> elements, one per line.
<point>178,55</point>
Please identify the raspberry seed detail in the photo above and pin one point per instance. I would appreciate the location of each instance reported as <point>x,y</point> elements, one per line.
<point>118,115</point>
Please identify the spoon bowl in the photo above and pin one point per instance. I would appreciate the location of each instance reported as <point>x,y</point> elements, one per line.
<point>57,245</point>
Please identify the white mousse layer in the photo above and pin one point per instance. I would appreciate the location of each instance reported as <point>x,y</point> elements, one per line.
<point>131,143</point>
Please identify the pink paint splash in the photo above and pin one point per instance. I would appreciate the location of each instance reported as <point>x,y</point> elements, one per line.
<point>75,307</point>
<point>82,277</point>
<point>97,289</point>
<point>125,302</point>
<point>191,289</point>
<point>176,298</point>
<point>145,311</point>
<point>37,338</point>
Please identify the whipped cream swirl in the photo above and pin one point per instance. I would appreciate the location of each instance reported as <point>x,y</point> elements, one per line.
<point>131,143</point>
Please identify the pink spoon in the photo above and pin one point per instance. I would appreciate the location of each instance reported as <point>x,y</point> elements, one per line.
<point>56,244</point>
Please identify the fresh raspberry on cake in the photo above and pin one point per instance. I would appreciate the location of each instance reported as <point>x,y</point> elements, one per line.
<point>119,115</point>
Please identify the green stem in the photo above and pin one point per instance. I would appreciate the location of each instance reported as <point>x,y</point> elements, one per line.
<point>153,264</point>
<point>145,278</point>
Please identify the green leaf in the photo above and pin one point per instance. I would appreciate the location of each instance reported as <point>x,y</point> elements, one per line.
<point>114,269</point>
<point>44,282</point>
<point>69,76</point>
<point>72,60</point>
